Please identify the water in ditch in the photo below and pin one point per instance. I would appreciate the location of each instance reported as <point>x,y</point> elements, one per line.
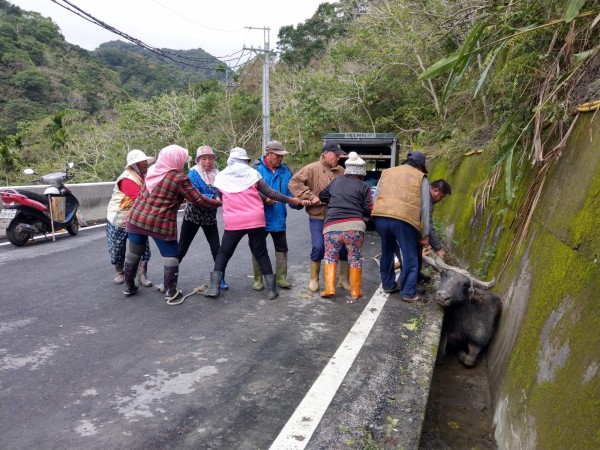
<point>459,412</point>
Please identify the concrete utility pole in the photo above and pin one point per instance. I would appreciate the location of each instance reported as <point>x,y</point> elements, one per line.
<point>266,105</point>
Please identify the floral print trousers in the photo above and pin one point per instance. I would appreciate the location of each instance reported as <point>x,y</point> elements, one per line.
<point>117,245</point>
<point>334,242</point>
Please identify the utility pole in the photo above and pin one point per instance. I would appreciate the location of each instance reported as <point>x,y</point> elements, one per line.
<point>266,105</point>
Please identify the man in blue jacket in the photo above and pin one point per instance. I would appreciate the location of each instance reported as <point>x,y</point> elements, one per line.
<point>277,175</point>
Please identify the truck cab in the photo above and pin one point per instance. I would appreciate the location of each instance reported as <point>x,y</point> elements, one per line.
<point>378,150</point>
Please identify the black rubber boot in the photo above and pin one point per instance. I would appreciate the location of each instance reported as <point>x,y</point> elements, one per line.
<point>171,276</point>
<point>271,284</point>
<point>130,272</point>
<point>215,282</point>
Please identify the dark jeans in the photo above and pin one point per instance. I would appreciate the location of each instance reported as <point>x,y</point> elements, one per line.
<point>279,240</point>
<point>257,240</point>
<point>318,242</point>
<point>188,232</point>
<point>392,231</point>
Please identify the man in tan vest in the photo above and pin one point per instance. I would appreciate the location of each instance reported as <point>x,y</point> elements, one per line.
<point>401,213</point>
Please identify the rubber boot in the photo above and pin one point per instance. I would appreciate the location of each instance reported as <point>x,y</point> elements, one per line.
<point>355,279</point>
<point>142,270</point>
<point>258,277</point>
<point>281,270</point>
<point>313,283</point>
<point>271,283</point>
<point>120,278</point>
<point>329,272</point>
<point>224,286</point>
<point>345,275</point>
<point>170,281</point>
<point>215,283</point>
<point>129,272</point>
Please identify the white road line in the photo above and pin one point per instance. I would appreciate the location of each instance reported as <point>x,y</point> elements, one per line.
<point>41,236</point>
<point>298,430</point>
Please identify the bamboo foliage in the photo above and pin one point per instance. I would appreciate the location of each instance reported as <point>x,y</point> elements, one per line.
<point>565,64</point>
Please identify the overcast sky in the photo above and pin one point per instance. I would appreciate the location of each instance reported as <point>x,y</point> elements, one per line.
<point>216,26</point>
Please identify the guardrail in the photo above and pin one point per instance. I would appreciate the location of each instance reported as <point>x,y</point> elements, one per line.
<point>93,198</point>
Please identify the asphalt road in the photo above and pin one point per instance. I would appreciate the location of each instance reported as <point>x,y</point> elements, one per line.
<point>81,366</point>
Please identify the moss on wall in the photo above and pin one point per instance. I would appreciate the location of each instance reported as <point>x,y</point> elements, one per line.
<point>557,346</point>
<point>549,393</point>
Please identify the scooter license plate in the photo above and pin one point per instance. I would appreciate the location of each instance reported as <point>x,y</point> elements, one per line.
<point>6,215</point>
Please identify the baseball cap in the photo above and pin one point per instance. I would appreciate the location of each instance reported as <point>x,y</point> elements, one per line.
<point>332,147</point>
<point>419,158</point>
<point>276,147</point>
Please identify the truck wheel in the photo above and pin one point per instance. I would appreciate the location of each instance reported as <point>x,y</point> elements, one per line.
<point>15,236</point>
<point>73,227</point>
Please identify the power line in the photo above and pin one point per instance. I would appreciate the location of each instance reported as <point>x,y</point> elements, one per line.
<point>196,23</point>
<point>160,52</point>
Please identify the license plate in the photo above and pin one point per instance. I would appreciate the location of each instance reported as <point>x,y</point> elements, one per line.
<point>8,213</point>
<point>6,216</point>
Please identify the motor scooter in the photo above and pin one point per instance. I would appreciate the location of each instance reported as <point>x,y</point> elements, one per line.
<point>26,213</point>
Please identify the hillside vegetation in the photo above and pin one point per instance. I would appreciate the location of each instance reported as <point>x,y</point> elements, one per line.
<point>42,74</point>
<point>145,74</point>
<point>501,78</point>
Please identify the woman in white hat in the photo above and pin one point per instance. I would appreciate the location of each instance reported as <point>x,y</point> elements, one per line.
<point>127,188</point>
<point>202,176</point>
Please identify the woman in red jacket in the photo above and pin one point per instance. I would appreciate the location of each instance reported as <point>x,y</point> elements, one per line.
<point>154,214</point>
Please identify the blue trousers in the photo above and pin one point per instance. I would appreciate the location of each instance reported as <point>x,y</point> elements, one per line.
<point>167,249</point>
<point>318,242</point>
<point>392,231</point>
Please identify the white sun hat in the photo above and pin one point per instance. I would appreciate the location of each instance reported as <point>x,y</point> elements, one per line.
<point>136,156</point>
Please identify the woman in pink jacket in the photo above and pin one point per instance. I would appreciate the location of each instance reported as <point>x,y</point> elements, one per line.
<point>243,213</point>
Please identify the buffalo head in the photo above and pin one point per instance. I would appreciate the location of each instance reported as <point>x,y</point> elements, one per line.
<point>456,283</point>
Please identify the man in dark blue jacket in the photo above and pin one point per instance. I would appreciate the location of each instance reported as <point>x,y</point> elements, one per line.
<point>277,175</point>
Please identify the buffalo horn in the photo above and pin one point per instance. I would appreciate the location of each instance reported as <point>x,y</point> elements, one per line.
<point>439,265</point>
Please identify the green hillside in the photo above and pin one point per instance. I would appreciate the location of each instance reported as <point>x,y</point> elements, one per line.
<point>145,74</point>
<point>42,74</point>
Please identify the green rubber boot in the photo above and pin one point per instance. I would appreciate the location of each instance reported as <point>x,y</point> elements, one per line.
<point>281,270</point>
<point>258,276</point>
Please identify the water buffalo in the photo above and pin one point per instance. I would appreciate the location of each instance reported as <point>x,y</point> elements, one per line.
<point>471,312</point>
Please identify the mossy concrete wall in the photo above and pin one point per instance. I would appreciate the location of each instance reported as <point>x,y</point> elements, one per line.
<point>544,362</point>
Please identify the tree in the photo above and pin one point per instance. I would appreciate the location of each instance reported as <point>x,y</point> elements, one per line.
<point>33,83</point>
<point>9,157</point>
<point>298,45</point>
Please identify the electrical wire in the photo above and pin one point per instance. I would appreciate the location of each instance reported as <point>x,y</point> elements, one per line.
<point>160,52</point>
<point>196,23</point>
<point>239,83</point>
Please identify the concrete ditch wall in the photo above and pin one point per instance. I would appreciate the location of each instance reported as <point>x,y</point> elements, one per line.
<point>544,362</point>
<point>93,198</point>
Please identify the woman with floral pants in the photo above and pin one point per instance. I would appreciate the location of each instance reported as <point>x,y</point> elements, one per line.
<point>349,201</point>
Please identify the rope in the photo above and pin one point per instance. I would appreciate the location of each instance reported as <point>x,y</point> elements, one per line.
<point>589,106</point>
<point>179,300</point>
